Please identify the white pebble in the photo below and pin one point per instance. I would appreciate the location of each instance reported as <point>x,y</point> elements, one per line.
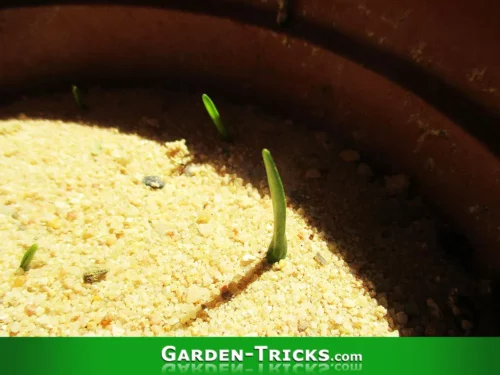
<point>247,259</point>
<point>196,294</point>
<point>117,331</point>
<point>15,327</point>
<point>206,229</point>
<point>349,303</point>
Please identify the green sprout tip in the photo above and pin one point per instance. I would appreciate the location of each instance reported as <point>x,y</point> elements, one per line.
<point>28,257</point>
<point>278,247</point>
<point>77,95</point>
<point>215,116</point>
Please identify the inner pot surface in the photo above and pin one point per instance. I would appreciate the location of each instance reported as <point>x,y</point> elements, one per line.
<point>395,85</point>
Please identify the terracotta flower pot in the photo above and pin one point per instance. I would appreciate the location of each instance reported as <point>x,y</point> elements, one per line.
<point>415,84</point>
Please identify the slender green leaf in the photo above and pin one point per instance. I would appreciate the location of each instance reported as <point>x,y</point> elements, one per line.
<point>278,247</point>
<point>77,95</point>
<point>28,257</point>
<point>215,116</point>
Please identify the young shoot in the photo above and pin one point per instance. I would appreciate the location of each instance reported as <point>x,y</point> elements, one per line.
<point>28,257</point>
<point>77,95</point>
<point>278,247</point>
<point>215,116</point>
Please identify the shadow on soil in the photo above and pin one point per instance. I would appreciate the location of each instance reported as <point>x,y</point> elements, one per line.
<point>394,244</point>
<point>232,290</point>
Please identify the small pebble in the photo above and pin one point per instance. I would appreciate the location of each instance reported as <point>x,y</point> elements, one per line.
<point>339,319</point>
<point>433,308</point>
<point>196,294</point>
<point>349,156</point>
<point>54,223</point>
<point>94,275</point>
<point>382,300</point>
<point>349,303</point>
<point>153,181</point>
<point>313,173</point>
<point>189,170</point>
<point>397,184</point>
<point>411,308</point>
<point>20,279</point>
<point>467,325</point>
<point>96,149</point>
<point>206,229</point>
<point>247,259</point>
<point>430,331</point>
<point>15,327</point>
<point>402,318</point>
<point>302,325</point>
<point>226,294</point>
<point>320,259</point>
<point>203,217</point>
<point>364,170</point>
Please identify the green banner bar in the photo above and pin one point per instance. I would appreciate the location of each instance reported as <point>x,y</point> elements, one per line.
<point>94,356</point>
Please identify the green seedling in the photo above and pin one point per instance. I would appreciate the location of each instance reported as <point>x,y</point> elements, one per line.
<point>28,257</point>
<point>77,95</point>
<point>215,116</point>
<point>278,247</point>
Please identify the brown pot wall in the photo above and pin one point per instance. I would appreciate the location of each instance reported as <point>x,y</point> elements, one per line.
<point>415,84</point>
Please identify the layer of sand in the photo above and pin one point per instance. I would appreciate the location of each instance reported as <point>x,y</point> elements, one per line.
<point>186,259</point>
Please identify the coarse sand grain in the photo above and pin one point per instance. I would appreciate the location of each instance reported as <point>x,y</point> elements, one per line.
<point>184,256</point>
